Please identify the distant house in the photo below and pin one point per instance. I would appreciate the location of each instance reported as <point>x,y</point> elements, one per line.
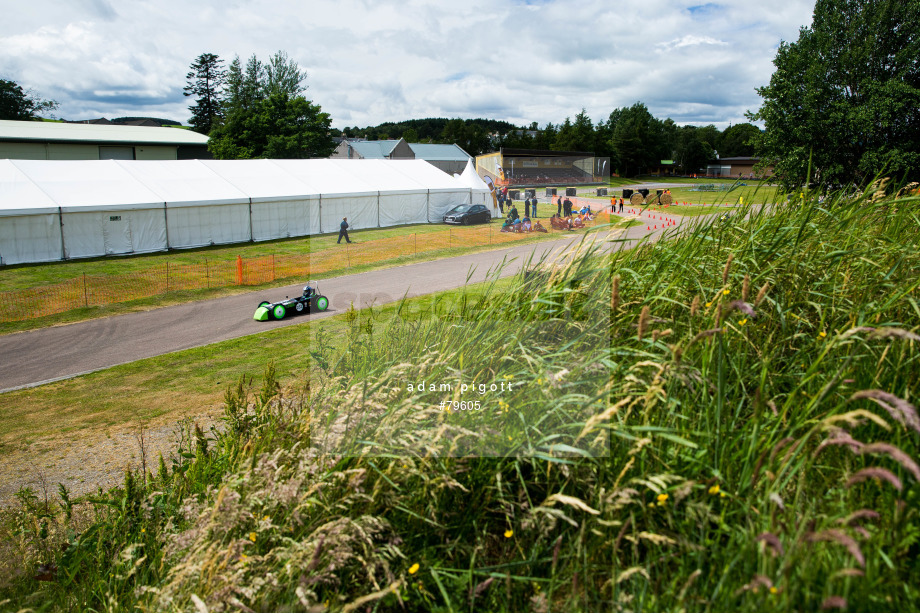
<point>33,140</point>
<point>735,167</point>
<point>449,158</point>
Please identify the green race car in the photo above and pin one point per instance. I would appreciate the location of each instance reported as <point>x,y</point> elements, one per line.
<point>310,300</point>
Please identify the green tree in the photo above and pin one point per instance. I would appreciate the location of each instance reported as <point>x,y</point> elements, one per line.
<point>205,81</point>
<point>845,97</point>
<point>692,152</point>
<point>18,104</point>
<point>739,140</point>
<point>265,114</point>
<point>636,140</point>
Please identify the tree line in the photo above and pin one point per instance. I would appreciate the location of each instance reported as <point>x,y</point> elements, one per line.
<point>631,137</point>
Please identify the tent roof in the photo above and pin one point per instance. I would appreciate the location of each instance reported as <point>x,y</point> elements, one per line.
<point>472,179</point>
<point>262,180</point>
<point>97,133</point>
<point>20,194</point>
<point>86,184</point>
<point>184,182</point>
<point>29,186</point>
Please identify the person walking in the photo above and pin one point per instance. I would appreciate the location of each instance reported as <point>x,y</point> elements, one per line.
<point>621,205</point>
<point>526,207</point>
<point>533,207</point>
<point>613,204</point>
<point>343,231</point>
<point>559,206</point>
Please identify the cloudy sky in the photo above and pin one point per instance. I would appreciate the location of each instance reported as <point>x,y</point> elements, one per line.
<point>370,61</point>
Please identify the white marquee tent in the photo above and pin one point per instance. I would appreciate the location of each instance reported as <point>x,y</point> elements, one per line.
<point>53,210</point>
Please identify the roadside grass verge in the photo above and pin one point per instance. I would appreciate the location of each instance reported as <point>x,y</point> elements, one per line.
<point>161,389</point>
<point>726,421</point>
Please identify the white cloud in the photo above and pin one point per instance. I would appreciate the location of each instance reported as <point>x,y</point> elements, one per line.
<point>381,60</point>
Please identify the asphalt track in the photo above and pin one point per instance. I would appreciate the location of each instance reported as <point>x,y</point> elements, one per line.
<point>45,355</point>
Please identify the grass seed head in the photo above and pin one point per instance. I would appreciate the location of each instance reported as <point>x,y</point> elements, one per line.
<point>745,287</point>
<point>878,473</point>
<point>695,306</point>
<point>728,264</point>
<point>615,294</point>
<point>762,294</point>
<point>643,321</point>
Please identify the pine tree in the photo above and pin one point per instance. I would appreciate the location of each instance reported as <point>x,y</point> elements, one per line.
<point>205,81</point>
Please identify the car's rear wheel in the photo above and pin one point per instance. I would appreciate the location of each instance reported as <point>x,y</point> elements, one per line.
<point>279,312</point>
<point>321,303</point>
<point>264,304</point>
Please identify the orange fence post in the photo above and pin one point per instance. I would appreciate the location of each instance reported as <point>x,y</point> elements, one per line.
<point>239,270</point>
<point>85,294</point>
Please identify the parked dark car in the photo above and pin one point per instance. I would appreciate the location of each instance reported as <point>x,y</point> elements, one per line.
<point>468,214</point>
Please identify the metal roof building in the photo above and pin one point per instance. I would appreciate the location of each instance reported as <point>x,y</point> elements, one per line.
<point>35,140</point>
<point>450,158</point>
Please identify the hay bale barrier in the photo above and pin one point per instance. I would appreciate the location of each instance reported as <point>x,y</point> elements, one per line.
<point>636,200</point>
<point>723,421</point>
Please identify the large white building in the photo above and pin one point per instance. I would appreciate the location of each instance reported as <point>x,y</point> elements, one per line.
<point>37,140</point>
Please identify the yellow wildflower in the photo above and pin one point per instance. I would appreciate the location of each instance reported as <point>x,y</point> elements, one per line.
<point>773,590</point>
<point>265,519</point>
<point>709,304</point>
<point>509,534</point>
<point>652,504</point>
<point>822,334</point>
<point>662,497</point>
<point>143,530</point>
<point>714,490</point>
<point>508,376</point>
<point>252,536</point>
<point>725,291</point>
<point>742,322</point>
<point>413,569</point>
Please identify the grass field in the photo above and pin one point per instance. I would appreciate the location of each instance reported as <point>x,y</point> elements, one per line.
<point>726,422</point>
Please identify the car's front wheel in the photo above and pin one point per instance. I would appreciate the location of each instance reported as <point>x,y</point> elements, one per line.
<point>321,303</point>
<point>279,312</point>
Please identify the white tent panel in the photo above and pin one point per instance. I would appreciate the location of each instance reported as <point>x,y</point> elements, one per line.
<point>281,219</point>
<point>148,230</point>
<point>106,233</point>
<point>210,225</point>
<point>361,212</point>
<point>184,183</point>
<point>396,209</point>
<point>30,238</point>
<point>83,234</point>
<point>340,178</point>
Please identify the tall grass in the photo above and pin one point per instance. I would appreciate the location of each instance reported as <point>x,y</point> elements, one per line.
<point>723,421</point>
